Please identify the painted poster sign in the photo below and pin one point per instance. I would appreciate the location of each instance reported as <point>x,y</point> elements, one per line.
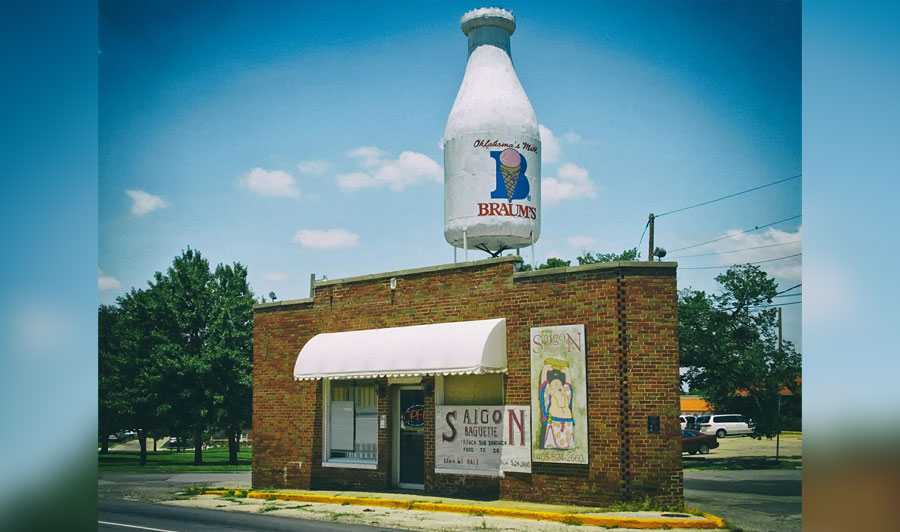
<point>558,395</point>
<point>483,440</point>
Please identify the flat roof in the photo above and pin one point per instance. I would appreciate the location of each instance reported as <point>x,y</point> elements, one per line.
<point>635,264</point>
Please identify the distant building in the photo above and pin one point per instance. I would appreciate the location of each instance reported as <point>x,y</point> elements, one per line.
<point>695,405</point>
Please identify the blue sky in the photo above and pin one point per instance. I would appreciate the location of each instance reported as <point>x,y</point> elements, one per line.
<point>232,127</point>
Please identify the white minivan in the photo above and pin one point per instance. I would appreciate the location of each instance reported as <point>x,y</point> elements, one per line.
<point>724,424</point>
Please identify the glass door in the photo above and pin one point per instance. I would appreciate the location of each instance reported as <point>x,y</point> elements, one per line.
<point>410,438</point>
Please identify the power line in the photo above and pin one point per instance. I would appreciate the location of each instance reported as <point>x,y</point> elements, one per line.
<point>642,235</point>
<point>729,196</point>
<point>778,305</point>
<point>789,289</point>
<point>736,234</point>
<point>789,295</point>
<point>735,250</point>
<point>777,294</point>
<point>730,265</point>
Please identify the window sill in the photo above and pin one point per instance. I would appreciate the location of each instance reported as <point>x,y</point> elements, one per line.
<point>350,465</point>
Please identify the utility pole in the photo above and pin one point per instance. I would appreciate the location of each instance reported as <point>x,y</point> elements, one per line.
<point>650,250</point>
<point>778,415</point>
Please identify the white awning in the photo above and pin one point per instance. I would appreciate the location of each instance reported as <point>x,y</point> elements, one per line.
<point>437,349</point>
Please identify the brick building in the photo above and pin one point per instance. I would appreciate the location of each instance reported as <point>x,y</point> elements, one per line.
<point>356,409</point>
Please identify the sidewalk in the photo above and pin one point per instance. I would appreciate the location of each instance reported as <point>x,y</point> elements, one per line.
<point>422,512</point>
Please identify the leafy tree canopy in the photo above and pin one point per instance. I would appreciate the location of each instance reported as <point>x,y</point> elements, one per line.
<point>729,342</point>
<point>587,258</point>
<point>176,358</point>
<point>628,254</point>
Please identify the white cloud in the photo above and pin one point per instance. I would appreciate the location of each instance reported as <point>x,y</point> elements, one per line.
<point>550,148</point>
<point>105,282</point>
<point>313,167</point>
<point>329,239</point>
<point>571,182</point>
<point>581,241</point>
<point>369,156</point>
<point>409,168</point>
<point>275,276</point>
<point>355,180</point>
<point>270,183</point>
<point>571,137</point>
<point>144,202</point>
<point>777,244</point>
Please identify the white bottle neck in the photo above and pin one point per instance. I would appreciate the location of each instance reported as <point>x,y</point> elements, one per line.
<point>491,36</point>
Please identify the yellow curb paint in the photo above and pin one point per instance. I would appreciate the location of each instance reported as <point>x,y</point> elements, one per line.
<point>719,521</point>
<point>709,521</point>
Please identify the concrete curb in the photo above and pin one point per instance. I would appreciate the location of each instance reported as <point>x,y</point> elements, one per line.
<point>708,521</point>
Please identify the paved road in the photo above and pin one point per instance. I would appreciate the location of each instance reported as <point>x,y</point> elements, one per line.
<point>754,500</point>
<point>119,516</point>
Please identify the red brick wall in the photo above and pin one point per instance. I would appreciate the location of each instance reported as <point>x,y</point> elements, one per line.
<point>629,314</point>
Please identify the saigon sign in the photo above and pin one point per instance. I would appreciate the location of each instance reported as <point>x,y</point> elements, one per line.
<point>558,395</point>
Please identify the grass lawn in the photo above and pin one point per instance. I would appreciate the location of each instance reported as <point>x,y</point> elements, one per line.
<point>215,459</point>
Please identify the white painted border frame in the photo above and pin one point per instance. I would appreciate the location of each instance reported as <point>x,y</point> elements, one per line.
<point>326,450</point>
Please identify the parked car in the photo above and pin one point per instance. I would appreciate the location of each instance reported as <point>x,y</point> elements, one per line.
<point>688,422</point>
<point>693,442</point>
<point>724,424</point>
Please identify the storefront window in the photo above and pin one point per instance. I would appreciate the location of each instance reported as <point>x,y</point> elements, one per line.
<point>473,389</point>
<point>352,422</point>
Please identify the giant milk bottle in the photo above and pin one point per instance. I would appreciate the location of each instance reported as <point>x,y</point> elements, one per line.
<point>492,146</point>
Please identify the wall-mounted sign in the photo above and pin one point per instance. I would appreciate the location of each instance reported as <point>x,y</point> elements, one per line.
<point>482,439</point>
<point>414,416</point>
<point>558,395</point>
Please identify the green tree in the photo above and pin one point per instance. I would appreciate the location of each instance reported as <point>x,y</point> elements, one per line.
<point>180,324</point>
<point>628,254</point>
<point>552,262</point>
<point>229,348</point>
<point>176,358</point>
<point>586,258</point>
<point>135,367</point>
<point>108,377</point>
<point>729,343</point>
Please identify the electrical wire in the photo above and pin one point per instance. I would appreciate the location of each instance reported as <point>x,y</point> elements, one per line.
<point>729,196</point>
<point>734,250</point>
<point>789,289</point>
<point>642,235</point>
<point>789,295</point>
<point>737,234</point>
<point>731,265</point>
<point>778,305</point>
<point>777,294</point>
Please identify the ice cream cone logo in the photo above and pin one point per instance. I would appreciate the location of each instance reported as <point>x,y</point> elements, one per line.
<point>511,180</point>
<point>510,165</point>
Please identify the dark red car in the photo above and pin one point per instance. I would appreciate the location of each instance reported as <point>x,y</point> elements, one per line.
<point>694,442</point>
